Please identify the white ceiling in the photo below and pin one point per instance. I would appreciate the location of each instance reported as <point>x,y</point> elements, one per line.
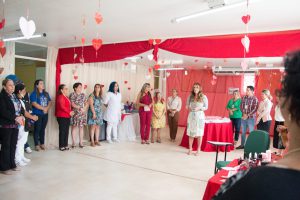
<point>134,20</point>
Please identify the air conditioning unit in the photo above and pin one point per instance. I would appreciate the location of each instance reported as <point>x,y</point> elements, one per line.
<point>226,71</point>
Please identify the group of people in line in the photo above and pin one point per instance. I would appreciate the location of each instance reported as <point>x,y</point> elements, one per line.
<point>247,112</point>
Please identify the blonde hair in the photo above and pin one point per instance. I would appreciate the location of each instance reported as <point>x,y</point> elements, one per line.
<point>267,93</point>
<point>238,93</point>
<point>199,96</point>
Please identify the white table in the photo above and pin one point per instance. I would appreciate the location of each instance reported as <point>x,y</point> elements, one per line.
<point>129,128</point>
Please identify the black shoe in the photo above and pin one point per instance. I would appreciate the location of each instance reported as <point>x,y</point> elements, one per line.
<point>240,147</point>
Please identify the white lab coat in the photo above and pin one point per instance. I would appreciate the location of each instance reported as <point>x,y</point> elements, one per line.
<point>113,110</point>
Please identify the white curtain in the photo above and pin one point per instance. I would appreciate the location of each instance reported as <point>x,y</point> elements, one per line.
<point>8,61</point>
<point>51,137</point>
<point>90,74</point>
<point>104,73</point>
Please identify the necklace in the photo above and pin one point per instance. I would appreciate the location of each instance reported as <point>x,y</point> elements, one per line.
<point>293,151</point>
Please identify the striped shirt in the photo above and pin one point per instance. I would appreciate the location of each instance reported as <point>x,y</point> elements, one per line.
<point>249,105</point>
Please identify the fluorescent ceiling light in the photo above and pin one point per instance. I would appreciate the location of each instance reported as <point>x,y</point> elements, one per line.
<point>266,68</point>
<point>210,11</point>
<point>170,62</point>
<point>21,38</point>
<point>167,69</point>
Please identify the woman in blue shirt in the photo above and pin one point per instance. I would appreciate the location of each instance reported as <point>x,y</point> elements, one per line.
<point>41,103</point>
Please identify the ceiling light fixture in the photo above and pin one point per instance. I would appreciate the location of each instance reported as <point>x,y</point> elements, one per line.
<point>22,37</point>
<point>169,69</point>
<point>209,11</point>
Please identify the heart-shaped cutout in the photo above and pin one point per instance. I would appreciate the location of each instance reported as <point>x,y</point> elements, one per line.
<point>244,65</point>
<point>2,23</point>
<point>75,77</point>
<point>246,43</point>
<point>125,82</point>
<point>98,18</point>
<point>125,63</point>
<point>1,70</point>
<point>149,69</point>
<point>82,41</point>
<point>246,19</point>
<point>97,43</point>
<point>1,44</point>
<point>27,27</point>
<point>2,51</point>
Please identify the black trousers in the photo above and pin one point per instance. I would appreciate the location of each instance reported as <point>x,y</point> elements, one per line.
<point>236,126</point>
<point>264,126</point>
<point>9,138</point>
<point>63,124</point>
<point>276,138</point>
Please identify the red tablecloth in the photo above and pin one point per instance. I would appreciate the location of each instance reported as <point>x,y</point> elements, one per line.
<point>214,183</point>
<point>219,132</point>
<point>124,115</point>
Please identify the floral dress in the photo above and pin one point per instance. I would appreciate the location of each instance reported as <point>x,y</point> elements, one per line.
<point>98,111</point>
<point>158,122</point>
<point>79,118</point>
<point>196,120</point>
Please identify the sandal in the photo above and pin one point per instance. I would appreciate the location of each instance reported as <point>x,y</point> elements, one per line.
<point>62,148</point>
<point>73,146</point>
<point>67,148</point>
<point>81,146</point>
<point>158,140</point>
<point>97,143</point>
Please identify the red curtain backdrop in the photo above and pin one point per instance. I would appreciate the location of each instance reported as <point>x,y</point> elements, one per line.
<point>271,80</point>
<point>108,52</point>
<point>217,94</point>
<point>227,46</point>
<point>269,44</point>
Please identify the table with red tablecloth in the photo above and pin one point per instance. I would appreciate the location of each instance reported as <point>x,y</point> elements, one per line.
<point>215,182</point>
<point>214,130</point>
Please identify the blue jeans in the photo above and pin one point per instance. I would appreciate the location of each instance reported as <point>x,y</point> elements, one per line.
<point>248,123</point>
<point>39,129</point>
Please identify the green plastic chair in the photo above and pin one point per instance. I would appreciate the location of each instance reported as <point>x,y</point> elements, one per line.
<point>258,141</point>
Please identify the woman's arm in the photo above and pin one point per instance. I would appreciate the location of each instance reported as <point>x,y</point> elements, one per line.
<point>38,106</point>
<point>91,103</point>
<point>138,101</point>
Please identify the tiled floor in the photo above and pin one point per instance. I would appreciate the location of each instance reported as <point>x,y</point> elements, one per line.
<point>117,171</point>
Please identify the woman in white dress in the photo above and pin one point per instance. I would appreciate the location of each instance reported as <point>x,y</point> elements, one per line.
<point>112,114</point>
<point>197,103</point>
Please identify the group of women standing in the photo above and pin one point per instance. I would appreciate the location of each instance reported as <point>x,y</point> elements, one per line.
<point>263,115</point>
<point>79,111</point>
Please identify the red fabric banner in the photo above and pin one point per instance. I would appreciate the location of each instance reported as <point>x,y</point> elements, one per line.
<point>217,94</point>
<point>107,52</point>
<point>268,44</point>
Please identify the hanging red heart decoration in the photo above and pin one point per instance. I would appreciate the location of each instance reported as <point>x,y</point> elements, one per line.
<point>125,63</point>
<point>149,69</point>
<point>2,51</point>
<point>129,88</point>
<point>1,44</point>
<point>98,18</point>
<point>156,67</point>
<point>75,77</point>
<point>2,23</point>
<point>213,82</point>
<point>1,70</point>
<point>125,82</point>
<point>150,41</point>
<point>97,43</point>
<point>82,41</point>
<point>246,19</point>
<point>85,86</point>
<point>157,41</point>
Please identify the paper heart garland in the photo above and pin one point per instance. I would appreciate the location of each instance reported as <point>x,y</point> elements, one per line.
<point>150,41</point>
<point>2,51</point>
<point>82,41</point>
<point>246,43</point>
<point>213,82</point>
<point>1,70</point>
<point>97,43</point>
<point>98,18</point>
<point>1,44</point>
<point>27,27</point>
<point>244,65</point>
<point>2,23</point>
<point>156,67</point>
<point>75,77</point>
<point>246,19</point>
